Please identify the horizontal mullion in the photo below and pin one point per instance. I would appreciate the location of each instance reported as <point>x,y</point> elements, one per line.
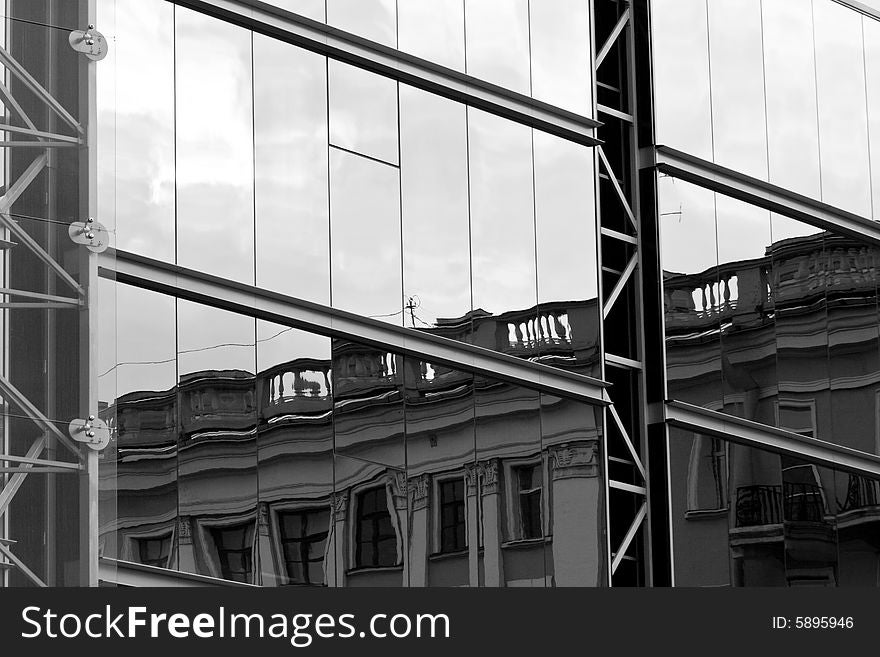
<point>249,300</point>
<point>403,67</point>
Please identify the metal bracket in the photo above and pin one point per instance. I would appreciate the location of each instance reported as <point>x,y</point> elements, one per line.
<point>90,234</point>
<point>93,432</point>
<point>90,43</point>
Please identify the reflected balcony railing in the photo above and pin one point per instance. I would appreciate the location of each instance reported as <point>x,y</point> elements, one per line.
<point>771,504</point>
<point>861,493</point>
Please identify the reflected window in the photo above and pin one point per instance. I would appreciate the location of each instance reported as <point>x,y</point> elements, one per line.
<point>154,551</point>
<point>234,552</point>
<point>303,541</point>
<point>707,476</point>
<point>453,535</point>
<point>530,484</point>
<point>376,538</point>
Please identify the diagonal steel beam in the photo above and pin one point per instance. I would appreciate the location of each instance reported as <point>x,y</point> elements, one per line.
<point>626,439</point>
<point>630,535</point>
<point>21,566</point>
<point>16,480</point>
<point>10,102</point>
<point>40,134</point>
<point>13,394</point>
<point>621,283</point>
<point>620,195</point>
<point>615,34</point>
<point>70,301</point>
<point>22,74</point>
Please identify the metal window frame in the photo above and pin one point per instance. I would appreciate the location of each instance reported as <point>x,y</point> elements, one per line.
<point>342,46</point>
<point>216,292</point>
<point>860,7</point>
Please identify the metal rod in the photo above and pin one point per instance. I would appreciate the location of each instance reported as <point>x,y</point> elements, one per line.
<point>37,295</point>
<point>10,102</point>
<point>13,394</point>
<point>615,34</point>
<point>626,439</point>
<point>16,480</point>
<point>8,458</point>
<point>630,535</point>
<point>621,283</point>
<point>21,566</point>
<point>5,127</point>
<point>620,195</point>
<point>22,235</point>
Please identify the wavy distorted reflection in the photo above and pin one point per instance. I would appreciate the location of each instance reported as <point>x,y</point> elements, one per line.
<point>341,464</point>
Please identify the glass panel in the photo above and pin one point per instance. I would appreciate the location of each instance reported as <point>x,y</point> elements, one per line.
<point>290,112</point>
<point>436,246</point>
<point>508,444</point>
<point>497,43</point>
<point>748,340</point>
<point>370,465</point>
<point>502,234</point>
<point>363,112</point>
<point>872,75</point>
<point>691,293</point>
<point>313,9</point>
<point>567,270</point>
<point>439,452</point>
<point>681,76</point>
<point>145,371</point>
<point>217,446</point>
<point>143,188</point>
<point>737,79</point>
<point>215,147</point>
<point>372,19</point>
<point>571,437</point>
<point>843,124</point>
<point>295,448</point>
<point>792,120</point>
<point>365,237</point>
<point>432,30</point>
<point>560,54</point>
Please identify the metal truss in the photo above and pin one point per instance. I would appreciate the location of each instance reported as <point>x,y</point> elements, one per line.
<point>317,37</point>
<point>27,138</point>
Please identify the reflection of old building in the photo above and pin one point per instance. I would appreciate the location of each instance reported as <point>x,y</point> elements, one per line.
<point>248,488</point>
<point>789,340</point>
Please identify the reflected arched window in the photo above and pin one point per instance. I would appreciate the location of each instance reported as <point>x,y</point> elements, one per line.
<point>707,475</point>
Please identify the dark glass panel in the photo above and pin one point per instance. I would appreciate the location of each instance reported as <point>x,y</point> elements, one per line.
<point>512,519</point>
<point>217,445</point>
<point>290,117</point>
<point>295,451</point>
<point>215,146</point>
<point>365,237</point>
<point>440,453</point>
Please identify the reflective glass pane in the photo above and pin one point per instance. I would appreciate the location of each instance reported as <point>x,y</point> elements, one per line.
<point>313,9</point>
<point>502,234</point>
<point>567,260</point>
<point>295,448</point>
<point>681,76</point>
<point>560,53</point>
<point>215,147</point>
<point>146,421</point>
<point>511,479</point>
<point>691,293</point>
<point>363,112</point>
<point>498,42</point>
<point>290,112</point>
<point>571,437</point>
<point>370,466</point>
<point>737,79</point>
<point>436,247</point>
<point>872,75</point>
<point>440,451</point>
<point>365,237</point>
<point>143,185</point>
<point>432,30</point>
<point>372,19</point>
<point>217,445</point>
<point>843,122</point>
<point>792,121</point>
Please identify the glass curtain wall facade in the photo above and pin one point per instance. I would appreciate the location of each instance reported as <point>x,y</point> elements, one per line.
<point>450,293</point>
